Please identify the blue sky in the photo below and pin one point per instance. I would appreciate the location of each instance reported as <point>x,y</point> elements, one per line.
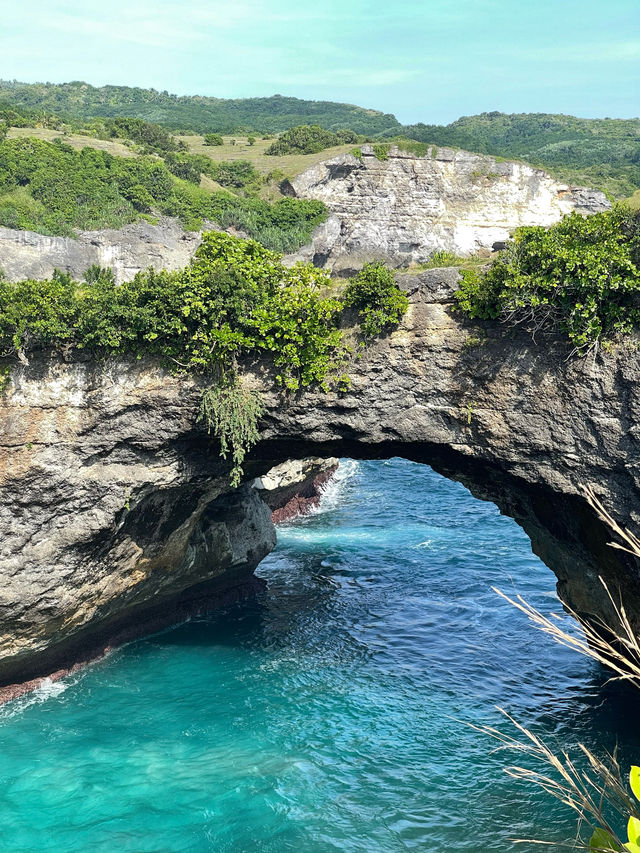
<point>424,60</point>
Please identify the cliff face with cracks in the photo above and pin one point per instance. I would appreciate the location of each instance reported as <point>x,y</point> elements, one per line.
<point>401,210</point>
<point>405,208</point>
<point>114,505</point>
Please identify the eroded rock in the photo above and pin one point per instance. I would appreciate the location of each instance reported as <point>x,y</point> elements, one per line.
<point>126,250</point>
<point>115,505</point>
<point>404,209</point>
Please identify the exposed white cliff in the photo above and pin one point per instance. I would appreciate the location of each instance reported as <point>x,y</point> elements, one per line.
<point>405,208</point>
<point>126,250</point>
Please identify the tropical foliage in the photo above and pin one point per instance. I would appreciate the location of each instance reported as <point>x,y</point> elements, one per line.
<point>53,189</point>
<point>197,113</point>
<point>581,276</point>
<point>309,139</point>
<point>232,413</point>
<point>374,293</point>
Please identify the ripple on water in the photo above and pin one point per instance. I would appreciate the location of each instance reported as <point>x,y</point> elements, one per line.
<point>324,715</point>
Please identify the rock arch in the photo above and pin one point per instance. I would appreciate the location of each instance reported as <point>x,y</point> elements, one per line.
<point>115,513</point>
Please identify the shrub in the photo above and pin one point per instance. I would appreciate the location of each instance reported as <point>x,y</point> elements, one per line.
<point>233,173</point>
<point>581,276</point>
<point>309,139</point>
<point>213,139</point>
<point>378,299</point>
<point>189,167</point>
<point>232,412</point>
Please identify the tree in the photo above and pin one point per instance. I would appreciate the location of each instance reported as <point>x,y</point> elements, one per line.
<point>213,139</point>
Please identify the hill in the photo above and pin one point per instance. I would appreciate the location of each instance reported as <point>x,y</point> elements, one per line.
<point>599,152</point>
<point>193,112</point>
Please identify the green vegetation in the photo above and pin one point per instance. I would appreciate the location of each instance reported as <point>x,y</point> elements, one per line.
<point>53,189</point>
<point>150,137</point>
<point>78,100</point>
<point>602,153</point>
<point>377,298</point>
<point>581,276</point>
<point>442,259</point>
<point>235,301</point>
<point>213,139</point>
<point>232,413</point>
<point>309,139</point>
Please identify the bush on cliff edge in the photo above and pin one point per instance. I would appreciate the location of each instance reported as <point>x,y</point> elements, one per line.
<point>581,276</point>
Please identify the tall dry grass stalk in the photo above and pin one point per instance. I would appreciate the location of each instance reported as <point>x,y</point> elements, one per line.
<point>597,793</point>
<point>616,647</point>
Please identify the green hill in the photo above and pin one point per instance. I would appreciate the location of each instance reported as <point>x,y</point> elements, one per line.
<point>600,152</point>
<point>197,113</point>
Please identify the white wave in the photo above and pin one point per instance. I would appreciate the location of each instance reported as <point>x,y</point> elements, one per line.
<point>46,689</point>
<point>332,492</point>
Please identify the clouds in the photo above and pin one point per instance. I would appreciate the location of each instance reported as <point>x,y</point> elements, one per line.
<point>428,60</point>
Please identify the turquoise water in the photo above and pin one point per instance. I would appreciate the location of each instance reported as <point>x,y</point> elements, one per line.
<point>324,715</point>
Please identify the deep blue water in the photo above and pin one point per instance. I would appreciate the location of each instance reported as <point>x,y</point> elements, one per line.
<point>324,716</point>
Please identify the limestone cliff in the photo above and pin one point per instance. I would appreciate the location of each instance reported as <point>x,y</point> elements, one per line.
<point>400,210</point>
<point>115,508</point>
<point>126,250</point>
<point>403,209</point>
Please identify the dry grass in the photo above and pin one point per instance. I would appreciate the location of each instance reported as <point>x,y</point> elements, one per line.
<point>634,200</point>
<point>75,140</point>
<point>596,792</point>
<point>617,648</point>
<point>289,164</point>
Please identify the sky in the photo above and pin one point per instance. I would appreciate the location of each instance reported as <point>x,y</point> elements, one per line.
<point>423,60</point>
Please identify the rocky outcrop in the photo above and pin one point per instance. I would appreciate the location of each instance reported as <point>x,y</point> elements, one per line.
<point>115,508</point>
<point>403,209</point>
<point>294,487</point>
<point>127,250</point>
<point>399,210</point>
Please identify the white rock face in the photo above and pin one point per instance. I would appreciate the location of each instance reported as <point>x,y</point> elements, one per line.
<point>126,250</point>
<point>404,209</point>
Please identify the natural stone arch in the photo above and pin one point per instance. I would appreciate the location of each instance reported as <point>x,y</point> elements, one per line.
<point>115,506</point>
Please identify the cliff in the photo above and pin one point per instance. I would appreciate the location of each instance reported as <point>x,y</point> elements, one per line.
<point>405,208</point>
<point>126,250</point>
<point>400,210</point>
<point>115,511</point>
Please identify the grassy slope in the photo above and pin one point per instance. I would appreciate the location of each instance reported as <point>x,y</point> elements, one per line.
<point>289,164</point>
<point>75,140</point>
